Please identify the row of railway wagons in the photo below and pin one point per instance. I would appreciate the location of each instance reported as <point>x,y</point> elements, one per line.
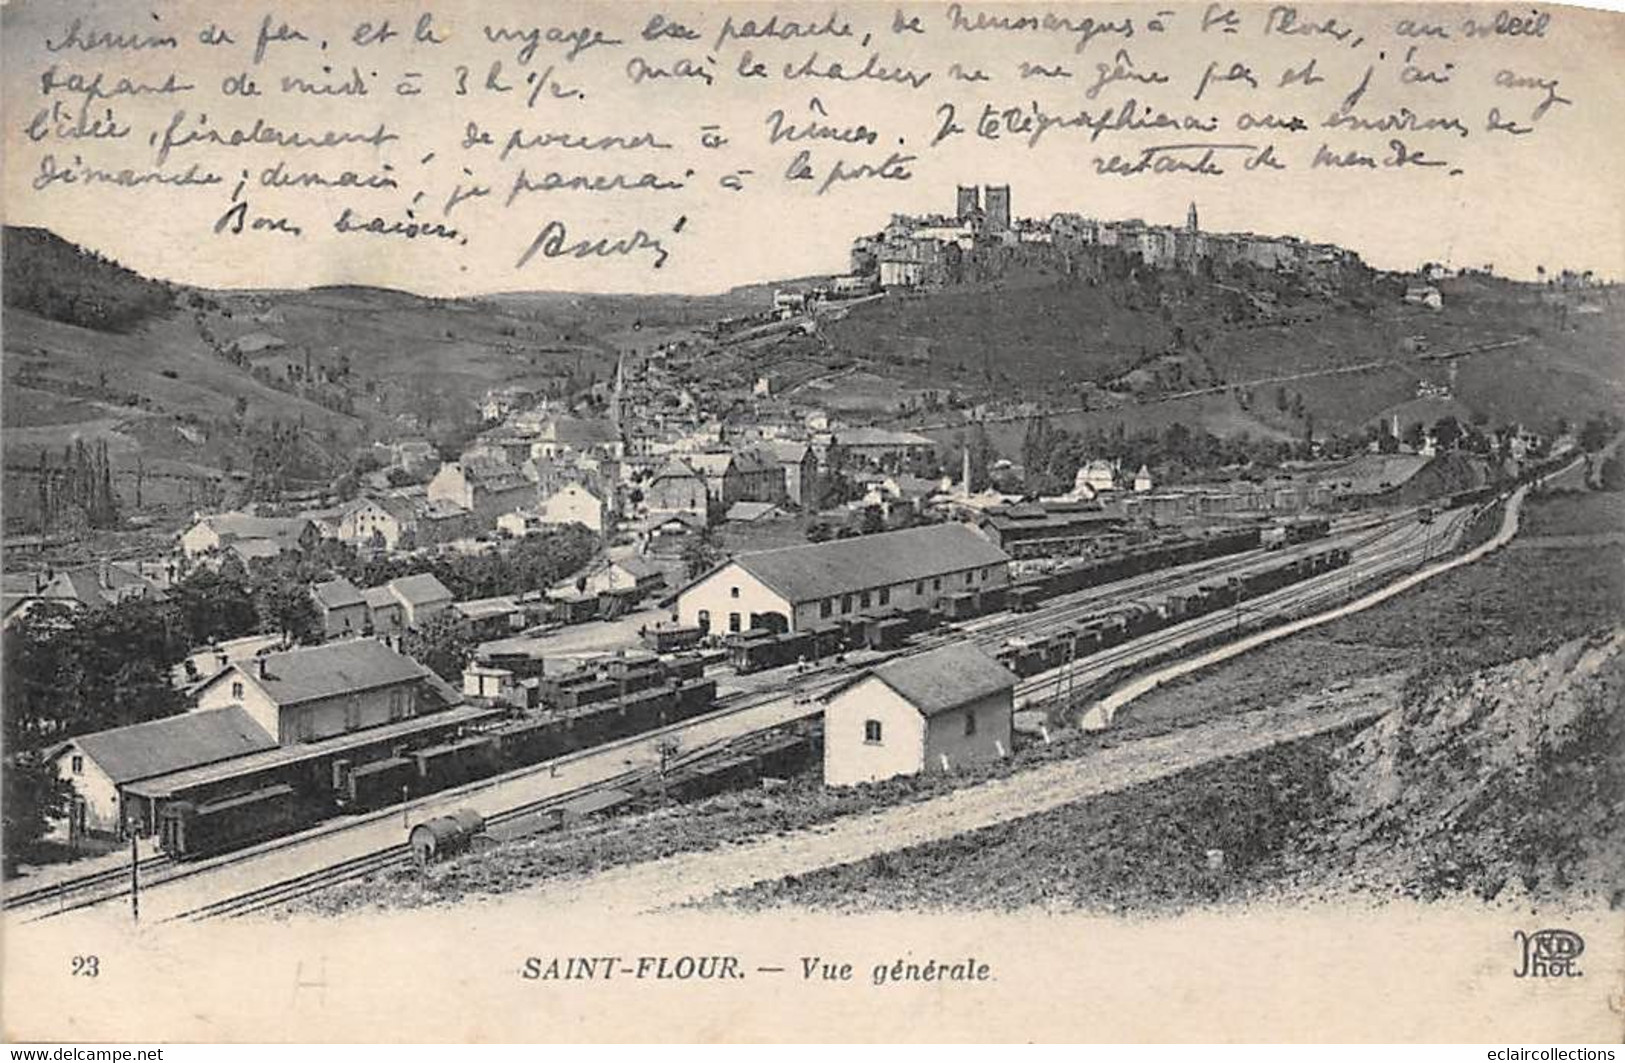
<point>641,700</point>
<point>759,649</point>
<point>1028,657</point>
<point>1026,594</point>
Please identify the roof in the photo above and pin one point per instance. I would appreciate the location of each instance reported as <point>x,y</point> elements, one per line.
<point>420,589</point>
<point>379,597</point>
<point>249,526</point>
<point>880,437</point>
<point>256,549</point>
<point>174,743</point>
<point>790,451</point>
<point>639,568</point>
<point>712,463</point>
<point>282,756</point>
<point>316,672</point>
<point>403,508</point>
<point>84,584</point>
<point>748,511</point>
<point>568,429</point>
<point>485,607</point>
<point>337,594</point>
<point>945,679</point>
<point>840,566</point>
<point>676,469</point>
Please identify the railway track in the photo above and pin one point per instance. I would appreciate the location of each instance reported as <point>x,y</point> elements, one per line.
<point>59,892</point>
<point>276,894</point>
<point>1093,667</point>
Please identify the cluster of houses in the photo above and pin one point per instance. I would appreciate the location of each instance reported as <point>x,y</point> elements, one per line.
<point>934,249</point>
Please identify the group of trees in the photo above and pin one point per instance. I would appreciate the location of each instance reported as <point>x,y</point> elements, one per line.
<point>79,491</point>
<point>1051,456</point>
<point>47,276</point>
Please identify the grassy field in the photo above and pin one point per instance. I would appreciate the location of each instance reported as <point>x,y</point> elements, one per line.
<point>1143,850</point>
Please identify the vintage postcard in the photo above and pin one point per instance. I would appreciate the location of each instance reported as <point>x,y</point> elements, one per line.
<point>836,521</point>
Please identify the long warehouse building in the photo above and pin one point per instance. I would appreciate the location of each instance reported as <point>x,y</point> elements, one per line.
<point>797,588</point>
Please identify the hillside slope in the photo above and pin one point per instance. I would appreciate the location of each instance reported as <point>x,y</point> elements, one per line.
<point>1153,336</point>
<point>1511,780</point>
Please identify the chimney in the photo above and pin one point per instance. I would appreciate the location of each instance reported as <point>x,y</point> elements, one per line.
<point>259,667</point>
<point>965,475</point>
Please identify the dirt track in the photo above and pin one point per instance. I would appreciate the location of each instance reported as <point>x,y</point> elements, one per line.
<point>696,876</point>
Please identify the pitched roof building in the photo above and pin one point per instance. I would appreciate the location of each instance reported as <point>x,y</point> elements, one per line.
<point>100,765</point>
<point>935,711</point>
<point>800,587</point>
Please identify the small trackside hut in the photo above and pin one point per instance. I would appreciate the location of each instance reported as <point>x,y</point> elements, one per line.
<point>935,711</point>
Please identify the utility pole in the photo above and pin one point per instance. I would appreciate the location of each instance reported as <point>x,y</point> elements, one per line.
<point>135,881</point>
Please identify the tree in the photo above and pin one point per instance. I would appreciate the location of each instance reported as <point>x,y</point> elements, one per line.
<point>1446,432</point>
<point>1595,433</point>
<point>34,796</point>
<point>286,608</point>
<point>441,644</point>
<point>213,606</point>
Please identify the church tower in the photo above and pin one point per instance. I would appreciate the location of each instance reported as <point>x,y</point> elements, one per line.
<point>1190,219</point>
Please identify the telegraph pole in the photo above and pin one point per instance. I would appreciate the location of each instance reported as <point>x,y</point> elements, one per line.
<point>135,881</point>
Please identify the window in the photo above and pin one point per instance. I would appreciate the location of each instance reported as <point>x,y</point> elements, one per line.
<point>394,704</point>
<point>970,723</point>
<point>863,600</point>
<point>885,596</point>
<point>987,573</point>
<point>237,691</point>
<point>919,587</point>
<point>78,765</point>
<point>936,584</point>
<point>733,592</point>
<point>411,702</point>
<point>846,603</point>
<point>871,732</point>
<point>733,621</point>
<point>704,619</point>
<point>826,607</point>
<point>968,577</point>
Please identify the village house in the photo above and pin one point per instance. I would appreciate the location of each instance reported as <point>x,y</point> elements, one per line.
<point>734,476</point>
<point>677,488</point>
<point>250,536</point>
<point>800,467</point>
<point>340,607</point>
<point>574,504</point>
<point>797,588</point>
<point>880,448</point>
<point>936,711</point>
<point>484,489</point>
<point>386,614</point>
<point>563,436</point>
<point>1095,476</point>
<point>383,522</point>
<point>421,597</point>
<point>101,583</point>
<point>304,695</point>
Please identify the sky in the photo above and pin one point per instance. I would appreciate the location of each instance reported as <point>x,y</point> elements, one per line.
<point>1548,198</point>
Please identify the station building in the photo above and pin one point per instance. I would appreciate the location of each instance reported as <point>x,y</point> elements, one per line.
<point>798,588</point>
<point>935,711</point>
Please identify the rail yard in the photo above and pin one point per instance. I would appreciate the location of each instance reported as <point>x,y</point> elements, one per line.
<point>1065,646</point>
